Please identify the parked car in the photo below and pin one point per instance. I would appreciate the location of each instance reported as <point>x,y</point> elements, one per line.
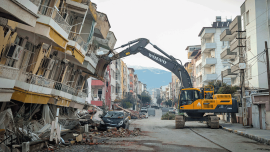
<point>144,109</point>
<point>171,110</point>
<point>116,119</point>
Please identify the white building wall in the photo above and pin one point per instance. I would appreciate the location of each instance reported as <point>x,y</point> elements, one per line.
<point>258,32</point>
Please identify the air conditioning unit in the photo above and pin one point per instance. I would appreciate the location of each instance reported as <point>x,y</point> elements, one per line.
<point>15,52</point>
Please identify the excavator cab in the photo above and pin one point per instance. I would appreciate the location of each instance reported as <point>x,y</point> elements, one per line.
<point>188,96</point>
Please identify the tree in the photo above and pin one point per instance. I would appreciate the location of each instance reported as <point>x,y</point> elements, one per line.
<point>227,89</point>
<point>223,88</point>
<point>169,103</point>
<point>128,101</point>
<point>146,99</point>
<point>216,85</point>
<point>126,105</point>
<point>159,100</point>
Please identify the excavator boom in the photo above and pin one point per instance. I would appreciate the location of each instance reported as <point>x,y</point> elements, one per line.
<point>168,62</point>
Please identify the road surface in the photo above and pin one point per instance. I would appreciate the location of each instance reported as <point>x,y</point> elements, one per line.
<point>161,135</point>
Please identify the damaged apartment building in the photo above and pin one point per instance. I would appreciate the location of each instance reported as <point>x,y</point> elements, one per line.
<point>48,50</point>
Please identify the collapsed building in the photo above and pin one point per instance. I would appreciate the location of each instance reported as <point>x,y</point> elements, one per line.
<point>48,50</point>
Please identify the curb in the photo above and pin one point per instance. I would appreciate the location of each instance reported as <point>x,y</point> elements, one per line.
<point>250,136</point>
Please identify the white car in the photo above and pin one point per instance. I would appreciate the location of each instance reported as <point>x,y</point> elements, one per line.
<point>144,109</point>
<point>171,110</point>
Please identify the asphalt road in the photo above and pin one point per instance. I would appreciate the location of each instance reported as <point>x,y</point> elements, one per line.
<point>161,135</point>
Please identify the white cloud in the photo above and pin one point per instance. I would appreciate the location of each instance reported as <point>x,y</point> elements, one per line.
<point>171,25</point>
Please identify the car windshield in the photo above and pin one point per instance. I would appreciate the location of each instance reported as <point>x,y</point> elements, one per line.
<point>114,115</point>
<point>171,108</point>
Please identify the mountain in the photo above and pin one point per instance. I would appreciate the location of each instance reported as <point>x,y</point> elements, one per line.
<point>153,77</point>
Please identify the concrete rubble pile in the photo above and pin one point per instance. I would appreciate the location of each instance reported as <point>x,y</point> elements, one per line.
<point>95,137</point>
<point>31,124</point>
<point>114,133</point>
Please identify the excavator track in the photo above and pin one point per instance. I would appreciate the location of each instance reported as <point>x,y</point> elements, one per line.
<point>213,122</point>
<point>179,122</point>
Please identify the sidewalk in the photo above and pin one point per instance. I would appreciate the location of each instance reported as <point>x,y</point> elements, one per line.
<point>259,135</point>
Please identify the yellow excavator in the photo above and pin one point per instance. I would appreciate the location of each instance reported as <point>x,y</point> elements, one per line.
<point>194,104</point>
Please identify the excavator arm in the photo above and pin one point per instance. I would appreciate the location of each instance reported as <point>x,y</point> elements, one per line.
<point>168,62</point>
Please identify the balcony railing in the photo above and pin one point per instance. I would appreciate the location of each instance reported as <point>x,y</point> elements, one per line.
<point>53,13</point>
<point>8,72</point>
<point>97,96</point>
<point>93,57</point>
<point>41,81</point>
<point>36,2</point>
<point>227,54</point>
<point>235,68</point>
<point>82,94</point>
<point>209,61</point>
<point>208,46</point>
<point>235,24</point>
<point>64,88</point>
<point>79,40</point>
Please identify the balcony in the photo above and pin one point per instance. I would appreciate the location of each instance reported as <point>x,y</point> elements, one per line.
<point>90,62</point>
<point>107,43</point>
<point>198,74</point>
<point>76,41</point>
<point>209,77</point>
<point>228,74</point>
<point>226,35</point>
<point>235,68</point>
<point>209,62</point>
<point>208,46</point>
<point>8,76</point>
<point>22,11</point>
<point>102,27</point>
<point>82,94</point>
<point>235,25</point>
<point>234,45</point>
<point>192,54</point>
<point>227,54</point>
<point>208,33</point>
<point>78,5</point>
<point>52,13</point>
<point>42,89</point>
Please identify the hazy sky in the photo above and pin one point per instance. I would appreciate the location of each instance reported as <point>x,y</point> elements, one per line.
<point>170,24</point>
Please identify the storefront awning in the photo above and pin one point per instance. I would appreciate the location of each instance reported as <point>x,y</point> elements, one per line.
<point>97,103</point>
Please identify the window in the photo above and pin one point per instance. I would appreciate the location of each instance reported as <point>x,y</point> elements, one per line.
<point>18,41</point>
<point>247,17</point>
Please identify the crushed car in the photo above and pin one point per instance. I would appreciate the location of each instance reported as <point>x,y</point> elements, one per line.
<point>118,119</point>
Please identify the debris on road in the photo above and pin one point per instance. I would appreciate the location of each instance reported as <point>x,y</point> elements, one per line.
<point>168,116</point>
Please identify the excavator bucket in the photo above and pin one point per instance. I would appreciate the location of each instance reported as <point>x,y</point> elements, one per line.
<point>101,67</point>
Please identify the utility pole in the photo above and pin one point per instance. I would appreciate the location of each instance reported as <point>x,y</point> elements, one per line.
<point>221,77</point>
<point>242,76</point>
<point>268,72</point>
